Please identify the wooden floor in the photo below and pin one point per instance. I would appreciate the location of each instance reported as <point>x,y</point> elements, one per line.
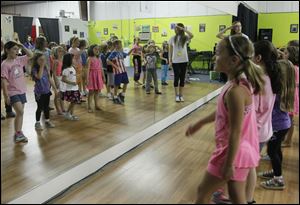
<point>53,151</point>
<point>168,169</point>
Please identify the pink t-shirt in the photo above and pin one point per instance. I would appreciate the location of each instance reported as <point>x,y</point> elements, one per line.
<point>137,50</point>
<point>12,71</point>
<point>247,155</point>
<point>263,106</point>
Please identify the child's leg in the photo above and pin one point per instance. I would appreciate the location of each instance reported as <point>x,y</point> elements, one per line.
<point>71,108</point>
<point>90,98</point>
<point>61,102</point>
<point>207,186</point>
<point>39,110</point>
<point>19,108</point>
<point>237,192</point>
<point>124,88</point>
<point>83,80</point>
<point>250,186</point>
<point>166,72</point>
<point>163,77</point>
<point>96,99</point>
<point>149,79</point>
<point>57,103</point>
<point>154,76</point>
<point>46,102</point>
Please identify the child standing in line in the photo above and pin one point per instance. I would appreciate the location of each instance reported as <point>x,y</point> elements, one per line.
<point>266,57</point>
<point>42,93</point>
<point>164,63</point>
<point>103,50</point>
<point>77,63</point>
<point>292,54</point>
<point>150,64</point>
<point>71,93</point>
<point>110,74</point>
<point>58,53</point>
<point>137,60</point>
<point>237,149</point>
<point>95,76</point>
<point>84,56</point>
<point>281,123</point>
<point>116,60</point>
<point>14,85</point>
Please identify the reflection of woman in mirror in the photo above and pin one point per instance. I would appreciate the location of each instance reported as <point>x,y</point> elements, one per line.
<point>178,58</point>
<point>235,29</point>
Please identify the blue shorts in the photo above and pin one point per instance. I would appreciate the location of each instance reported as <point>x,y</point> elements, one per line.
<point>18,98</point>
<point>121,78</point>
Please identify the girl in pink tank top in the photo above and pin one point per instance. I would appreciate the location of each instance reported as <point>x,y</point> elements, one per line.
<point>237,145</point>
<point>57,77</point>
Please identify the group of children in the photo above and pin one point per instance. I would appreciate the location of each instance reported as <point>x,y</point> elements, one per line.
<point>252,111</point>
<point>74,74</point>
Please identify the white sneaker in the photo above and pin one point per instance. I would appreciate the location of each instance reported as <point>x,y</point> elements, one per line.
<point>38,126</point>
<point>177,98</point>
<point>49,124</point>
<point>181,99</point>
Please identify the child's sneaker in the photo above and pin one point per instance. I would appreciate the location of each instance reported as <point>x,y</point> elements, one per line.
<point>121,97</point>
<point>177,99</point>
<point>218,197</point>
<point>181,99</point>
<point>38,126</point>
<point>266,157</point>
<point>266,174</point>
<point>117,101</point>
<point>148,92</point>
<point>20,138</point>
<point>49,124</point>
<point>10,114</point>
<point>74,117</point>
<point>68,116</point>
<point>2,117</point>
<point>274,184</point>
<point>158,93</point>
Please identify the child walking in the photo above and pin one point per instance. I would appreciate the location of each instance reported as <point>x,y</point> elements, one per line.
<point>110,82</point>
<point>71,93</point>
<point>237,148</point>
<point>137,60</point>
<point>13,83</point>
<point>95,80</point>
<point>116,60</point>
<point>41,76</point>
<point>84,56</point>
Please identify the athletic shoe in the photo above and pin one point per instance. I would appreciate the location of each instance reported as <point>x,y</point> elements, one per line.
<point>218,197</point>
<point>38,126</point>
<point>49,124</point>
<point>274,184</point>
<point>20,138</point>
<point>177,99</point>
<point>158,93</point>
<point>121,97</point>
<point>181,99</point>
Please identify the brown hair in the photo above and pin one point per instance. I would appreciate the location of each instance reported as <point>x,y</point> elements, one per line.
<point>181,34</point>
<point>287,85</point>
<point>243,48</point>
<point>39,43</point>
<point>293,54</point>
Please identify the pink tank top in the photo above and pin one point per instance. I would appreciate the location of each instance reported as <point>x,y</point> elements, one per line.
<point>247,155</point>
<point>95,63</point>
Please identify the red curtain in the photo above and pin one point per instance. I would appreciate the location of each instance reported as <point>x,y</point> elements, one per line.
<point>33,33</point>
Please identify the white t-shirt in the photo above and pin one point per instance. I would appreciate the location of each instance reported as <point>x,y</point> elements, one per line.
<point>70,74</point>
<point>179,54</point>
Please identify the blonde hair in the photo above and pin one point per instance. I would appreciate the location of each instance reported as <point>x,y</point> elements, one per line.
<point>243,48</point>
<point>288,85</point>
<point>55,51</point>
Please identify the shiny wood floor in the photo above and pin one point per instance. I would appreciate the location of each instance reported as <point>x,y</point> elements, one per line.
<point>53,151</point>
<point>168,169</point>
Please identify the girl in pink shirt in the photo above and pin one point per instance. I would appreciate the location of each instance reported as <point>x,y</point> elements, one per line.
<point>14,85</point>
<point>237,149</point>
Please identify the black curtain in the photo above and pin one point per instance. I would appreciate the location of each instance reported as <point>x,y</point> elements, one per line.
<point>249,20</point>
<point>22,26</point>
<point>50,29</point>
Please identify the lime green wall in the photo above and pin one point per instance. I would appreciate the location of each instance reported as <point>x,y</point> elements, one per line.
<point>280,23</point>
<point>202,40</point>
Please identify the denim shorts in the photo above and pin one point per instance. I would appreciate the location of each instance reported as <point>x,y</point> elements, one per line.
<point>18,98</point>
